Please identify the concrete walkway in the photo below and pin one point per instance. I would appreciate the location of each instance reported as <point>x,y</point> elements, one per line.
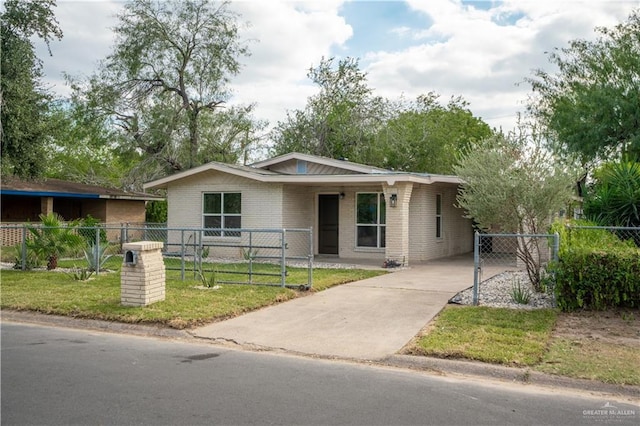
<point>367,320</point>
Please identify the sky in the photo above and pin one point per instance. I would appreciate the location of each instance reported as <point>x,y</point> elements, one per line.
<point>479,50</point>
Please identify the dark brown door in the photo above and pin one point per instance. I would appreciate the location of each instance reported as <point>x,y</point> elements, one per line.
<point>328,223</point>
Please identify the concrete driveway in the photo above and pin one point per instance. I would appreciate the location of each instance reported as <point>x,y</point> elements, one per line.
<point>367,320</point>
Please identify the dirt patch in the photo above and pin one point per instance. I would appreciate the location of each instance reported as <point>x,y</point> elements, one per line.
<point>621,326</point>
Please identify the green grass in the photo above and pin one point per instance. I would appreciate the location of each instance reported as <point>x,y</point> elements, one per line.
<point>586,359</point>
<point>502,336</point>
<point>185,305</point>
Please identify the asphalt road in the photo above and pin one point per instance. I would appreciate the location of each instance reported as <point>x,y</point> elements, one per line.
<point>58,376</point>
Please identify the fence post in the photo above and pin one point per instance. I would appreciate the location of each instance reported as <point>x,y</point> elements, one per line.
<point>283,260</point>
<point>96,253</point>
<point>476,266</point>
<point>182,254</point>
<point>556,246</point>
<point>310,270</point>
<point>23,254</point>
<point>250,257</point>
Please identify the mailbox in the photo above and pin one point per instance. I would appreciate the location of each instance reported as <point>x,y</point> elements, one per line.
<point>130,258</point>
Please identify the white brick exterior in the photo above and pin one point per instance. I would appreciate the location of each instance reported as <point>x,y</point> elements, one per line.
<point>410,226</point>
<point>457,231</point>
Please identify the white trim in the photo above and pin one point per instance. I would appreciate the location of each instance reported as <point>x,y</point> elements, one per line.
<point>440,225</point>
<point>341,164</point>
<point>378,225</point>
<point>222,215</point>
<point>348,179</point>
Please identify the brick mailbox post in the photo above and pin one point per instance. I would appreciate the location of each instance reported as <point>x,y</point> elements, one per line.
<point>142,279</point>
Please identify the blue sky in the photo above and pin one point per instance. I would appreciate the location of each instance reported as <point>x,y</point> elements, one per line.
<point>380,24</point>
<point>481,51</point>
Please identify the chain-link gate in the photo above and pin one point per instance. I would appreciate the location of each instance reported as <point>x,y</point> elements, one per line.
<point>498,253</point>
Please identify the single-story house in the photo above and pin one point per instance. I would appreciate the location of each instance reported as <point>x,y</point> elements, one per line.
<point>356,211</point>
<point>24,201</point>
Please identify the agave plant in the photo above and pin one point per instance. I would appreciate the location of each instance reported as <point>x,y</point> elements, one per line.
<point>53,238</point>
<point>96,256</point>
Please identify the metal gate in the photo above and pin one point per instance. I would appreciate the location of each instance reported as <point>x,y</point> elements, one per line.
<point>496,253</point>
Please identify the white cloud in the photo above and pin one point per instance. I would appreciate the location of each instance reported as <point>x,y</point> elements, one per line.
<point>479,54</point>
<point>289,39</point>
<point>476,54</point>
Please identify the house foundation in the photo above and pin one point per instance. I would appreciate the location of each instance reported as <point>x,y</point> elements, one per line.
<point>142,279</point>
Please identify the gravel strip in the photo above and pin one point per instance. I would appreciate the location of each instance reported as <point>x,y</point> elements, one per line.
<point>496,292</point>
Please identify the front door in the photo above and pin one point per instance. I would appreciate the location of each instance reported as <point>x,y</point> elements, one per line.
<point>328,223</point>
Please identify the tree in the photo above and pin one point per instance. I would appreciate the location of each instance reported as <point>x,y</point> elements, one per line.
<point>425,136</point>
<point>83,147</point>
<point>23,100</point>
<point>614,197</point>
<point>338,122</point>
<point>590,106</point>
<point>167,80</point>
<point>511,182</point>
<point>346,120</point>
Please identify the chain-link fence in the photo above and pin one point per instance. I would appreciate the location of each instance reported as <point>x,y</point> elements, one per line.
<point>630,235</point>
<point>496,254</point>
<point>238,256</point>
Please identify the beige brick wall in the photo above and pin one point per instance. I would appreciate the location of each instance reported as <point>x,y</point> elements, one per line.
<point>261,206</point>
<point>125,211</point>
<point>275,206</point>
<point>457,232</point>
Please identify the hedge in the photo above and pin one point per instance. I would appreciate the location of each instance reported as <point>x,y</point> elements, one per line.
<point>596,270</point>
<point>598,280</point>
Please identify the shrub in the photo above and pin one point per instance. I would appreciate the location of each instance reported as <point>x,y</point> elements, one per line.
<point>53,238</point>
<point>613,199</point>
<point>87,229</point>
<point>598,279</point>
<point>596,270</point>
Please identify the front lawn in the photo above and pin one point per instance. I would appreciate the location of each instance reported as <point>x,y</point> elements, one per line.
<point>497,335</point>
<point>185,306</point>
<point>544,340</point>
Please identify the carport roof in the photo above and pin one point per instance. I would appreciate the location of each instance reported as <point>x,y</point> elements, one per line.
<point>62,188</point>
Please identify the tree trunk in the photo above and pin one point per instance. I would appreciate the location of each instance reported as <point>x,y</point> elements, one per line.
<point>53,262</point>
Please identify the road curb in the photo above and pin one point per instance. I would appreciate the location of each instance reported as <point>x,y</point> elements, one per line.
<point>443,366</point>
<point>511,374</point>
<point>93,324</point>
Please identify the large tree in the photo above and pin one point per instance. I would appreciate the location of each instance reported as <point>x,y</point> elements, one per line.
<point>23,99</point>
<point>167,81</point>
<point>340,121</point>
<point>345,119</point>
<point>590,103</point>
<point>512,184</point>
<point>426,136</point>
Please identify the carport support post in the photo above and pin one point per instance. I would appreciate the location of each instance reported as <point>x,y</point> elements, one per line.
<point>476,265</point>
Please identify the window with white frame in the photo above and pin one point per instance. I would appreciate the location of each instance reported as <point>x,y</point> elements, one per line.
<point>370,219</point>
<point>439,216</point>
<point>222,211</point>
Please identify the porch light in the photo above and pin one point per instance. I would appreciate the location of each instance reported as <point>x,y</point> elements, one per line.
<point>393,200</point>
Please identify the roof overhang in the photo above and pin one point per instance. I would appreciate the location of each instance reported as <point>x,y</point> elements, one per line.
<point>390,178</point>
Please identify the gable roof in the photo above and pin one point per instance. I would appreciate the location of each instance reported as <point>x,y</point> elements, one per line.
<point>354,173</point>
<point>338,164</point>
<point>63,188</point>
